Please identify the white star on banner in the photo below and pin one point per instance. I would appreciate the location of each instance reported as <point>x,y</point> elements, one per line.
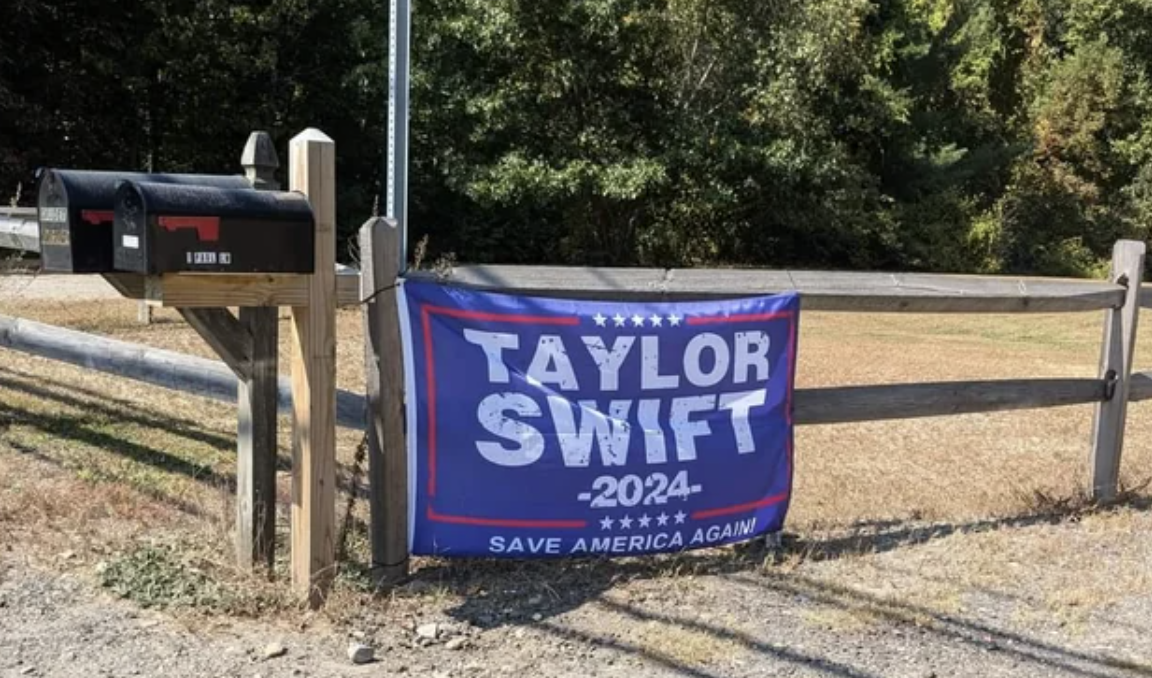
<point>600,320</point>
<point>619,320</point>
<point>645,520</point>
<point>625,523</point>
<point>662,519</point>
<point>656,321</point>
<point>606,524</point>
<point>638,320</point>
<point>680,517</point>
<point>674,320</point>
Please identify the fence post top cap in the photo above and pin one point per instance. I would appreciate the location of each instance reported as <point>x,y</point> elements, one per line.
<point>312,135</point>
<point>259,151</point>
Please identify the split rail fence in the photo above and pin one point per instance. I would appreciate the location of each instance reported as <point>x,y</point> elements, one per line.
<point>380,412</point>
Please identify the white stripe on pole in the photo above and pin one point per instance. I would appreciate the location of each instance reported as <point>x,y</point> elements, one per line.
<point>399,60</point>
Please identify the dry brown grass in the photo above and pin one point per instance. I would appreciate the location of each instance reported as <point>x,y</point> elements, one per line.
<point>682,645</point>
<point>953,468</point>
<point>104,462</point>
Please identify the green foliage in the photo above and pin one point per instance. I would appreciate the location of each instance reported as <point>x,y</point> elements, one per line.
<point>955,135</point>
<point>177,85</point>
<point>158,576</point>
<point>154,577</point>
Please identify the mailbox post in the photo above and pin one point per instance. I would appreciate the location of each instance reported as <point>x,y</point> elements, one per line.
<point>257,396</point>
<point>312,159</point>
<point>202,244</point>
<point>250,344</point>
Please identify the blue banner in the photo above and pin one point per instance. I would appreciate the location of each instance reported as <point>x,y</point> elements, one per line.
<point>554,428</point>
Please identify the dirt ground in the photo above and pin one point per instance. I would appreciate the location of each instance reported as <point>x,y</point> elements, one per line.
<point>955,546</point>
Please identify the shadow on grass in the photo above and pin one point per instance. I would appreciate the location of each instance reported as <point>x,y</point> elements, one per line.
<point>92,410</point>
<point>153,492</point>
<point>78,428</point>
<point>496,593</point>
<point>113,408</point>
<point>131,412</point>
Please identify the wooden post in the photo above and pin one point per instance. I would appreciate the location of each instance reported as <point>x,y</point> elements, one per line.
<point>143,312</point>
<point>257,399</point>
<point>260,162</point>
<point>256,442</point>
<point>312,160</point>
<point>384,371</point>
<point>1116,368</point>
<point>249,346</point>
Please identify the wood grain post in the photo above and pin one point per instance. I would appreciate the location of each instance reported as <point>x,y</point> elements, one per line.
<point>257,397</point>
<point>1116,368</point>
<point>312,161</point>
<point>256,443</point>
<point>380,258</point>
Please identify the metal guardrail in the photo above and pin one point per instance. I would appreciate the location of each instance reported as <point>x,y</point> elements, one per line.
<point>19,230</point>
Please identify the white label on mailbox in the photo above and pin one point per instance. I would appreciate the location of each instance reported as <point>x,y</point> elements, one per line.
<point>204,257</point>
<point>131,242</point>
<point>58,215</point>
<point>225,258</point>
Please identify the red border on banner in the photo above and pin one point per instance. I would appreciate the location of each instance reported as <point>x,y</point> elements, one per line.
<point>500,522</point>
<point>426,313</point>
<point>790,316</point>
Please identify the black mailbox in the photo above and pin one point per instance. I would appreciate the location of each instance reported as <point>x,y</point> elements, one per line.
<point>165,228</point>
<point>76,214</point>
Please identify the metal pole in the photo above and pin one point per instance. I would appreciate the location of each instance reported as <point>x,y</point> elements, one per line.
<point>399,59</point>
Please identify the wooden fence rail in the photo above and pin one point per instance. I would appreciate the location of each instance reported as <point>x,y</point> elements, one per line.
<point>831,405</point>
<point>820,290</point>
<point>168,369</point>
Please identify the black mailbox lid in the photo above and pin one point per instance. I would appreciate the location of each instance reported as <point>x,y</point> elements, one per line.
<point>75,210</point>
<point>164,228</point>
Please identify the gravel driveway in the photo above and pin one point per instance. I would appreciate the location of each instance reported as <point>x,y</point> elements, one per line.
<point>740,624</point>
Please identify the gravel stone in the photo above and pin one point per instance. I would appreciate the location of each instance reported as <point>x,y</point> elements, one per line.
<point>359,653</point>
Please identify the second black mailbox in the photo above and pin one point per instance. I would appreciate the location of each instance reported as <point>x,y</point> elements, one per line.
<point>162,228</point>
<point>76,214</point>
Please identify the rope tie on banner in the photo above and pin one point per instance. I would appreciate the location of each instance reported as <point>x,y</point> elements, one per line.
<point>380,291</point>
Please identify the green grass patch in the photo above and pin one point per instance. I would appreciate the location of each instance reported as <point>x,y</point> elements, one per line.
<point>164,576</point>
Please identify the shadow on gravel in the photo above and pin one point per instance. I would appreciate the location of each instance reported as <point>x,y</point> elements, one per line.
<point>950,628</point>
<point>775,651</point>
<point>501,593</point>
